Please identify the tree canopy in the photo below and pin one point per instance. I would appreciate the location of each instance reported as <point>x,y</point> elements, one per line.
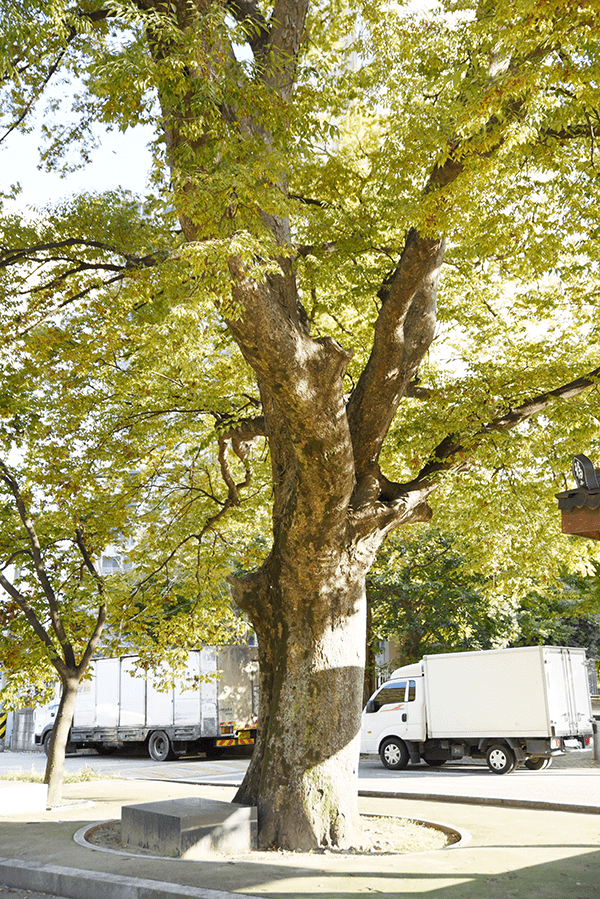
<point>424,599</point>
<point>361,288</point>
<point>426,596</point>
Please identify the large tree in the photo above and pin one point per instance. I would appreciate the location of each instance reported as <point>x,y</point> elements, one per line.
<point>325,160</point>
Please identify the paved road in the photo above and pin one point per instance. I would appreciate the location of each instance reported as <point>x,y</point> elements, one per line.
<point>519,852</point>
<point>132,765</point>
<point>572,781</point>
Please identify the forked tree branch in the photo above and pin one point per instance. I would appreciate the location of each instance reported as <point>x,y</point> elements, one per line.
<point>40,570</point>
<point>33,620</point>
<point>405,324</point>
<point>456,449</point>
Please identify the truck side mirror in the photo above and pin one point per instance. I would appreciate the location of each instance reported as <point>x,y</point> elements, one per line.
<point>371,706</point>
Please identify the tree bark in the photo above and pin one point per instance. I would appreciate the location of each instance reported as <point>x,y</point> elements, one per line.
<point>55,764</point>
<point>310,624</point>
<point>332,505</point>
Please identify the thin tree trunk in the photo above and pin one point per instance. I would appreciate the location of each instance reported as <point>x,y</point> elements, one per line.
<point>55,765</point>
<point>370,678</point>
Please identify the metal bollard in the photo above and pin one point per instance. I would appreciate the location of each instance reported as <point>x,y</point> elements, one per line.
<point>596,740</point>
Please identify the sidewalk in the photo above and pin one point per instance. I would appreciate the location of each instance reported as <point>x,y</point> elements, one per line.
<point>507,852</point>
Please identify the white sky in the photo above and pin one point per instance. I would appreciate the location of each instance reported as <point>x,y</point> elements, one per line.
<point>122,160</point>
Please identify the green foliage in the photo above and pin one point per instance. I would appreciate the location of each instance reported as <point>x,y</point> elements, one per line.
<point>423,599</point>
<point>111,391</point>
<point>566,613</point>
<point>120,375</point>
<point>426,595</point>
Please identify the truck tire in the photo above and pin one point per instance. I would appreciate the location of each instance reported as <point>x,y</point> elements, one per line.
<point>70,748</point>
<point>435,763</point>
<point>501,759</point>
<point>538,764</point>
<point>159,746</point>
<point>394,753</point>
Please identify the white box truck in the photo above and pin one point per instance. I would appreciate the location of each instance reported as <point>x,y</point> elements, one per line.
<point>120,705</point>
<point>508,706</point>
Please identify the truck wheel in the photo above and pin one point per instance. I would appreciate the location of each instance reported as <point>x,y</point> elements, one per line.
<point>46,742</point>
<point>435,763</point>
<point>159,746</point>
<point>501,759</point>
<point>394,753</point>
<point>538,764</point>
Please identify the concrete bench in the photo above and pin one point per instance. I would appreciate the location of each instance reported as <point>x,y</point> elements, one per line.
<point>189,828</point>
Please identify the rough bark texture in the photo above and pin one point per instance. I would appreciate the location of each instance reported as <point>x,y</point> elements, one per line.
<point>311,650</point>
<point>331,504</point>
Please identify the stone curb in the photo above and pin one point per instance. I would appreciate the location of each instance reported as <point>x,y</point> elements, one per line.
<point>73,883</point>
<point>461,835</point>
<point>481,800</point>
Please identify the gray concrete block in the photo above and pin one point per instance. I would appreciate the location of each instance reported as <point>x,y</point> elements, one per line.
<point>189,828</point>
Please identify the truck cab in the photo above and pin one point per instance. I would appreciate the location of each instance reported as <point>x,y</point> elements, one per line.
<point>395,716</point>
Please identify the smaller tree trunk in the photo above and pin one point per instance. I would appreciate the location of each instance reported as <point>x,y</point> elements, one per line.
<point>55,765</point>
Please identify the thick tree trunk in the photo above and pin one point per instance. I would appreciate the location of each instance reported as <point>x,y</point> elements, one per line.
<point>303,774</point>
<point>55,765</point>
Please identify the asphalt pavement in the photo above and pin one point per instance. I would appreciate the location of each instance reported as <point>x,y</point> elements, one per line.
<point>565,785</point>
<point>512,844</point>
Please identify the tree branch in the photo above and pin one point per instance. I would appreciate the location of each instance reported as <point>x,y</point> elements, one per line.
<point>242,435</point>
<point>38,563</point>
<point>456,446</point>
<point>247,12</point>
<point>286,32</point>
<point>403,333</point>
<point>33,621</point>
<point>405,325</point>
<point>93,641</point>
<point>72,299</point>
<point>36,95</point>
<point>92,16</point>
<point>87,560</point>
<point>9,256</point>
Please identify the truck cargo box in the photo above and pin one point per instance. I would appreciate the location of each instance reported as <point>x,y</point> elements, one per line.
<point>539,691</point>
<point>212,705</point>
